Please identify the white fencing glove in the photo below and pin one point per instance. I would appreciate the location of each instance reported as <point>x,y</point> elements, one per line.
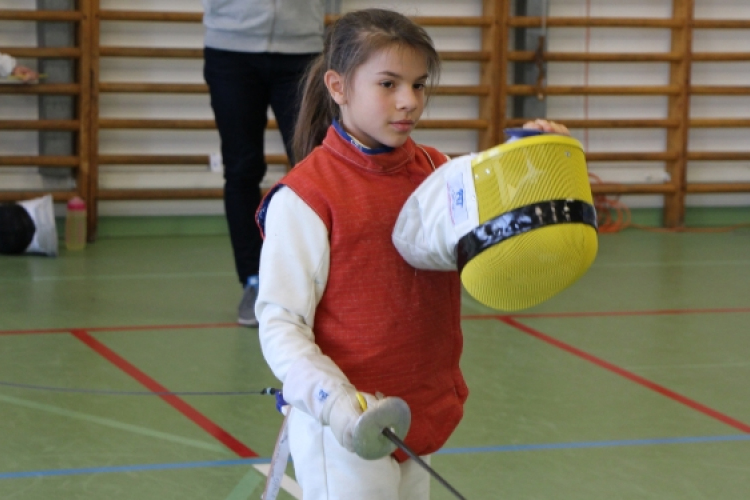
<point>315,385</point>
<point>342,412</point>
<point>357,420</point>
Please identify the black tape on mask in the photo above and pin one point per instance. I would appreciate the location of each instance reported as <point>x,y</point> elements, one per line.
<point>522,220</point>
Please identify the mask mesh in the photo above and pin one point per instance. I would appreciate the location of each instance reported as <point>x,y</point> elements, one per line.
<point>528,269</point>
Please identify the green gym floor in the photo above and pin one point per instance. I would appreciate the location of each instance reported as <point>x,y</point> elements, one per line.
<point>123,376</point>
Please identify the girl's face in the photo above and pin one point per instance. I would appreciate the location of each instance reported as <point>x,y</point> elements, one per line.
<point>385,97</point>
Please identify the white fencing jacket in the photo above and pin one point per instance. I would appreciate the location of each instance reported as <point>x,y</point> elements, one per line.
<point>294,266</point>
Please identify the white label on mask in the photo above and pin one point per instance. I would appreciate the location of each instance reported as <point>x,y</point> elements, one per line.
<point>457,196</point>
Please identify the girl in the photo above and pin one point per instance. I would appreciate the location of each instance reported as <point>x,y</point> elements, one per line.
<point>340,311</point>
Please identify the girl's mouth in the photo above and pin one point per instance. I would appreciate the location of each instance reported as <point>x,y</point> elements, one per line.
<point>403,125</point>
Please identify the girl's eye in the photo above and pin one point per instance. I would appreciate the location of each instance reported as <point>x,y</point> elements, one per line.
<point>419,86</point>
<point>387,84</point>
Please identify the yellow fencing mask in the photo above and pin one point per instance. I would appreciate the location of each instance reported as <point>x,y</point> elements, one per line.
<point>517,221</point>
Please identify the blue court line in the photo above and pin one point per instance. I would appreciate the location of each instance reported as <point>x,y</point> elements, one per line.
<point>134,468</point>
<point>594,444</point>
<point>109,392</point>
<point>101,277</point>
<point>445,451</point>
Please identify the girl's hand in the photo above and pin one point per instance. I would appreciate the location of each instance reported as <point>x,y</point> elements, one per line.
<point>547,126</point>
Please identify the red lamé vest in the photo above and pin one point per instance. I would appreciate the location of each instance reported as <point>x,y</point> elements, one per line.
<point>390,327</point>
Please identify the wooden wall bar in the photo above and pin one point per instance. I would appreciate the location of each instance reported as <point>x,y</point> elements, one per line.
<point>674,124</point>
<point>496,25</point>
<point>681,58</point>
<point>487,122</point>
<point>79,162</point>
<point>718,90</point>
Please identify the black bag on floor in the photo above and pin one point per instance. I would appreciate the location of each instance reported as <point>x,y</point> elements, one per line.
<point>16,229</point>
<point>28,227</point>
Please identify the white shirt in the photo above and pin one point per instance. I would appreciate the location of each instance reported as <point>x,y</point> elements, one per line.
<point>7,65</point>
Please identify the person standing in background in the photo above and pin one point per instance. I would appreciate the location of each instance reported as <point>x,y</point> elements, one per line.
<point>10,67</point>
<point>255,56</point>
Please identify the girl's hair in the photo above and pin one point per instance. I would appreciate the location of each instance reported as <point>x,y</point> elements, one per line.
<point>349,43</point>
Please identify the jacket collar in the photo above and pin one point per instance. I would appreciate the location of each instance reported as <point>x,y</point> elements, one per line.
<point>384,159</point>
<point>366,150</point>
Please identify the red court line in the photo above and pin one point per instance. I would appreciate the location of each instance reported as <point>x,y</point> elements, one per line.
<point>629,375</point>
<point>177,403</point>
<point>134,328</point>
<point>584,314</point>
<point>592,314</point>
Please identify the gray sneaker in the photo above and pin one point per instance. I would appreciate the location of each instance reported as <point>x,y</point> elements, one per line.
<point>247,307</point>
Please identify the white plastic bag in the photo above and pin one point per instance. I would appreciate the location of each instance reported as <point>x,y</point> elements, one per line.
<point>42,212</point>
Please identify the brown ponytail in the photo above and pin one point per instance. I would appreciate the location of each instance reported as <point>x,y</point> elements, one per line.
<point>317,111</point>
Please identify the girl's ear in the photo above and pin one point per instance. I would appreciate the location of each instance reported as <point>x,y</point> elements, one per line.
<point>335,85</point>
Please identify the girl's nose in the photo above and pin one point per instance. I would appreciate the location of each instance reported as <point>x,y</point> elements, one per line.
<point>408,99</point>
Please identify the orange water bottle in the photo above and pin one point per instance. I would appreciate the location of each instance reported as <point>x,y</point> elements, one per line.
<point>75,224</point>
